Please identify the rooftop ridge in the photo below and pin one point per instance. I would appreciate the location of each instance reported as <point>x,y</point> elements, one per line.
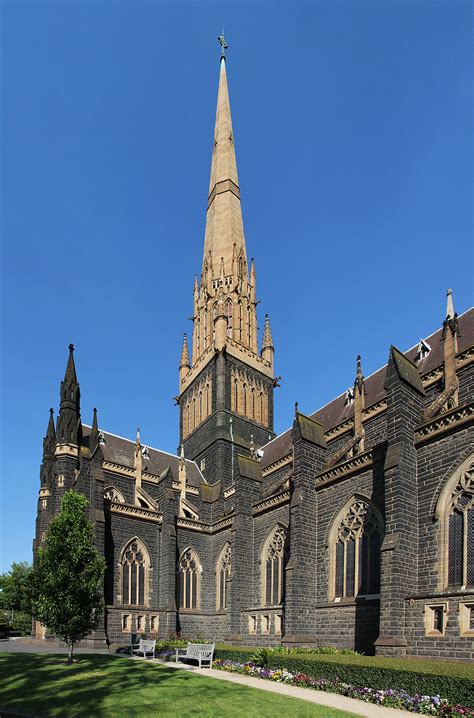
<point>405,351</point>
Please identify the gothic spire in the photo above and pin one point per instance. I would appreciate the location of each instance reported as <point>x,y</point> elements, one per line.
<point>185,353</point>
<point>224,225</point>
<point>94,436</point>
<point>49,440</point>
<point>68,426</point>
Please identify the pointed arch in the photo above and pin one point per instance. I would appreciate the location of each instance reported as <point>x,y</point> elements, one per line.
<point>112,493</point>
<point>223,571</point>
<point>273,558</point>
<point>455,512</point>
<point>135,567</point>
<point>354,544</point>
<point>190,570</point>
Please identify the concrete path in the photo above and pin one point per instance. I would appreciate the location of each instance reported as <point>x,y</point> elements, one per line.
<point>332,700</point>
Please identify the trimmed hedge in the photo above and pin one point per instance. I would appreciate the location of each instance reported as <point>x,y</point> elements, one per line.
<point>451,680</point>
<point>456,689</point>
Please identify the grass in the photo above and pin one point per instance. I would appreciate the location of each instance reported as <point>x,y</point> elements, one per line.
<point>110,687</point>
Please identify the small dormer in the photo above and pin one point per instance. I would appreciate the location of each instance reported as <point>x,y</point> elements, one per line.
<point>422,351</point>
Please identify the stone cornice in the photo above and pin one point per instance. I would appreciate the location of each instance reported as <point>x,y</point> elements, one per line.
<point>248,357</point>
<point>460,416</point>
<point>176,486</point>
<point>202,527</point>
<point>118,469</point>
<point>197,367</point>
<point>66,450</point>
<point>135,512</point>
<point>271,502</point>
<point>279,464</point>
<point>360,462</point>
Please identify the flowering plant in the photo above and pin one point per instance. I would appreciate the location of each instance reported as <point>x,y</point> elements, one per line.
<point>393,698</point>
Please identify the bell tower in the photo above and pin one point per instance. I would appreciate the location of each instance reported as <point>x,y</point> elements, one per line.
<point>226,388</point>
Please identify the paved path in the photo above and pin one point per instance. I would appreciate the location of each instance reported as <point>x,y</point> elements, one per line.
<point>332,700</point>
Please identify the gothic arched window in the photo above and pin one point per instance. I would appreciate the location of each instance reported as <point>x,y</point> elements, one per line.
<point>200,407</point>
<point>262,420</point>
<point>357,551</point>
<point>205,328</point>
<point>208,399</point>
<point>244,402</point>
<point>222,576</point>
<point>252,407</point>
<point>460,511</point>
<point>236,395</point>
<point>135,565</point>
<point>273,566</point>
<point>189,580</point>
<point>214,316</point>
<point>240,322</point>
<point>249,325</point>
<point>198,336</point>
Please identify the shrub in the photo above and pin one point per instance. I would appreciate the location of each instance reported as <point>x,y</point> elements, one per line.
<point>456,689</point>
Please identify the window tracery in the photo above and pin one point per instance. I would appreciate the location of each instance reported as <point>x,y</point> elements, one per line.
<point>135,566</point>
<point>189,580</point>
<point>460,511</point>
<point>224,565</point>
<point>357,551</point>
<point>113,494</point>
<point>273,564</point>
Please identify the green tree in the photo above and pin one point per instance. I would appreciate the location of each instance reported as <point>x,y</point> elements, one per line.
<point>15,596</point>
<point>68,575</point>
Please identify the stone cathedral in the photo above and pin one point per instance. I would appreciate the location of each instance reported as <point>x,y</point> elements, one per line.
<point>353,528</point>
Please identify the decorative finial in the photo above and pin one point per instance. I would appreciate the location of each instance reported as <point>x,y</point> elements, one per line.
<point>449,305</point>
<point>223,44</point>
<point>94,410</point>
<point>71,347</point>
<point>51,411</point>
<point>296,407</point>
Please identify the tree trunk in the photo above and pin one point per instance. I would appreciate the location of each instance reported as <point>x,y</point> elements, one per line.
<point>69,658</point>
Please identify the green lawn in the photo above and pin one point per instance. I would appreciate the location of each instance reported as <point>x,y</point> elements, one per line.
<point>112,687</point>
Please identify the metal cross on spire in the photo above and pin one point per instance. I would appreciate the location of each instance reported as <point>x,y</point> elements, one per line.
<point>223,44</point>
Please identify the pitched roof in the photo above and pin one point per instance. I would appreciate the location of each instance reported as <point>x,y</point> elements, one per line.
<point>118,450</point>
<point>337,411</point>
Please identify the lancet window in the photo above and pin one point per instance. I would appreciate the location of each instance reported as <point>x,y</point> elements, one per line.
<point>273,565</point>
<point>197,406</point>
<point>460,519</point>
<point>357,551</point>
<point>224,564</point>
<point>189,580</point>
<point>135,566</point>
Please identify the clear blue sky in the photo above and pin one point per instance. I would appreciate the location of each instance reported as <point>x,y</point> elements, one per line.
<point>353,127</point>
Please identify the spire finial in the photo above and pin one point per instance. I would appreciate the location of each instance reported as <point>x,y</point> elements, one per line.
<point>359,380</point>
<point>223,44</point>
<point>71,348</point>
<point>296,408</point>
<point>449,305</point>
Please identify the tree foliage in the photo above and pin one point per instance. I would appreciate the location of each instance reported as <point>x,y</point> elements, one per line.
<point>15,597</point>
<point>15,588</point>
<point>68,575</point>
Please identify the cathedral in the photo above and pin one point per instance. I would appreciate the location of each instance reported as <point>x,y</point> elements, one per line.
<point>353,528</point>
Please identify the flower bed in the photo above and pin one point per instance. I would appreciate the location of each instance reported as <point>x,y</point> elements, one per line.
<point>427,705</point>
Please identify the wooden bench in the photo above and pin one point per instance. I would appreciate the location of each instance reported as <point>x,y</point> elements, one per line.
<point>200,652</point>
<point>145,647</point>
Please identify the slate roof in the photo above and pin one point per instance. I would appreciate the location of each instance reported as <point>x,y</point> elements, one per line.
<point>336,411</point>
<point>118,450</point>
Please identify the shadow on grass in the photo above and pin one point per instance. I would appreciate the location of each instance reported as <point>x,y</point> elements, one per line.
<point>95,685</point>
<point>101,686</point>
